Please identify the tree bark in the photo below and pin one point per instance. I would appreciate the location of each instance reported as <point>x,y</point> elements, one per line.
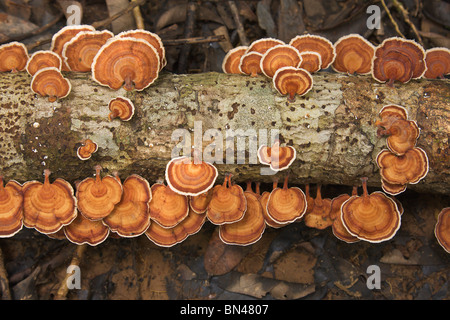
<point>332,127</point>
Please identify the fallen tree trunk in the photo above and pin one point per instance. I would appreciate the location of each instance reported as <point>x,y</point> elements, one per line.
<point>332,127</point>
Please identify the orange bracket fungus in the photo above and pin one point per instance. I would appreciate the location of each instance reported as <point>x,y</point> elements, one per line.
<point>250,228</point>
<point>199,203</point>
<point>13,57</point>
<point>79,52</point>
<point>292,81</point>
<point>278,57</point>
<point>168,237</point>
<point>402,135</point>
<point>319,215</point>
<point>318,44</point>
<point>250,63</point>
<point>49,82</point>
<point>311,61</point>
<point>130,217</point>
<point>279,158</point>
<point>128,62</point>
<point>373,218</point>
<point>397,59</point>
<point>392,188</point>
<point>442,229</point>
<point>47,207</point>
<point>152,38</point>
<point>98,196</point>
<point>337,227</point>
<point>437,61</point>
<point>120,107</point>
<point>63,36</point>
<point>232,59</point>
<point>11,208</point>
<point>85,151</point>
<point>264,44</point>
<point>167,207</point>
<point>82,230</point>
<point>43,59</point>
<point>410,167</point>
<point>285,204</point>
<point>190,177</point>
<point>354,54</point>
<point>228,203</point>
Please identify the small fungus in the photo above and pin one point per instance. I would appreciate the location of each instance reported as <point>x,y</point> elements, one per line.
<point>85,151</point>
<point>318,44</point>
<point>84,231</point>
<point>250,63</point>
<point>292,81</point>
<point>43,59</point>
<point>11,208</point>
<point>318,216</point>
<point>49,82</point>
<point>278,57</point>
<point>338,227</point>
<point>437,61</point>
<point>13,57</point>
<point>278,157</point>
<point>167,207</point>
<point>120,107</point>
<point>232,59</point>
<point>311,61</point>
<point>264,44</point>
<point>354,55</point>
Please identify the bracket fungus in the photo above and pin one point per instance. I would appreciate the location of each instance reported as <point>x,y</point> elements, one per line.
<point>250,63</point>
<point>49,82</point>
<point>354,55</point>
<point>292,81</point>
<point>120,107</point>
<point>392,188</point>
<point>11,208</point>
<point>130,217</point>
<point>397,59</point>
<point>371,217</point>
<point>318,44</point>
<point>311,61</point>
<point>199,203</point>
<point>85,151</point>
<point>338,228</point>
<point>408,168</point>
<point>228,203</point>
<point>47,207</point>
<point>277,157</point>
<point>232,59</point>
<point>82,230</point>
<point>401,135</point>
<point>126,62</point>
<point>437,61</point>
<point>63,36</point>
<point>167,207</point>
<point>250,228</point>
<point>13,57</point>
<point>168,237</point>
<point>43,59</point>
<point>442,229</point>
<point>279,56</point>
<point>190,177</point>
<point>286,204</point>
<point>98,196</point>
<point>318,216</point>
<point>264,44</point>
<point>152,38</point>
<point>79,52</point>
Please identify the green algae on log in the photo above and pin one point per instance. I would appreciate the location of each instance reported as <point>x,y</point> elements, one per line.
<point>332,127</point>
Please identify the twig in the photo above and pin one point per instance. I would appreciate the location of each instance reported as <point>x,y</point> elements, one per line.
<point>176,42</point>
<point>392,19</point>
<point>405,15</point>
<point>138,17</point>
<point>64,289</point>
<point>188,32</point>
<point>237,20</point>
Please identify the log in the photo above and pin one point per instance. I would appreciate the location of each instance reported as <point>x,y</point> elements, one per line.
<point>332,127</point>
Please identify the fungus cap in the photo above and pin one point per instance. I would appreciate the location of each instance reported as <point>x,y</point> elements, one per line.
<point>393,112</point>
<point>126,62</point>
<point>391,188</point>
<point>11,208</point>
<point>98,196</point>
<point>85,151</point>
<point>278,157</point>
<point>79,52</point>
<point>402,135</point>
<point>199,203</point>
<point>338,228</point>
<point>311,61</point>
<point>47,207</point>
<point>120,107</point>
<point>410,167</point>
<point>354,54</point>
<point>292,81</point>
<point>318,44</point>
<point>13,57</point>
<point>250,63</point>
<point>286,204</point>
<point>167,207</point>
<point>190,177</point>
<point>49,82</point>
<point>269,221</point>
<point>318,216</point>
<point>374,218</point>
<point>264,44</point>
<point>232,59</point>
<point>277,57</point>
<point>84,231</point>
<point>437,61</point>
<point>442,229</point>
<point>43,59</point>
<point>228,203</point>
<point>250,228</point>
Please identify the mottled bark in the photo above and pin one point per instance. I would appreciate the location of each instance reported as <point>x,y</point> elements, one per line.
<point>332,127</point>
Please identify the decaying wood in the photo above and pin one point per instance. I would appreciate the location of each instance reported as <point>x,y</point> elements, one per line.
<point>332,127</point>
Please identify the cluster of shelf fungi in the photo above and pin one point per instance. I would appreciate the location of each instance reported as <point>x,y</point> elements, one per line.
<point>99,207</point>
